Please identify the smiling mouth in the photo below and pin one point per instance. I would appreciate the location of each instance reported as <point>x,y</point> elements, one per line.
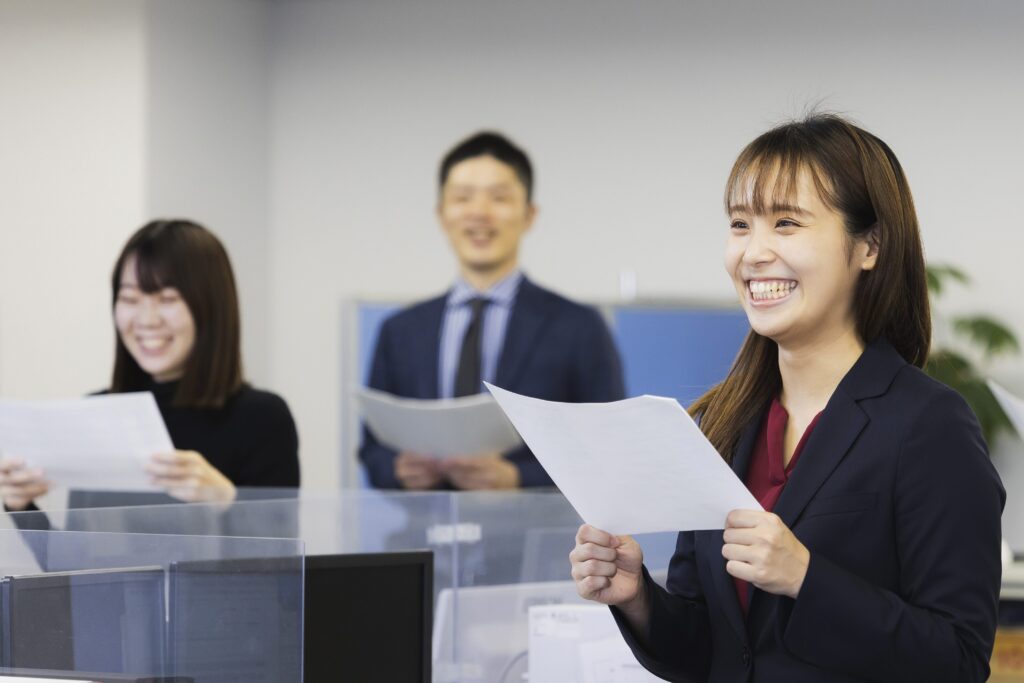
<point>481,236</point>
<point>770,290</point>
<point>153,345</point>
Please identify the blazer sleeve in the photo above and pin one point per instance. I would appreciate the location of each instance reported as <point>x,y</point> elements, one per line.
<point>595,376</point>
<point>940,627</point>
<point>378,459</point>
<point>677,646</point>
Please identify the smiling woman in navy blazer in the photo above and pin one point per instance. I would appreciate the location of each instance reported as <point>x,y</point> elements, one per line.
<point>876,557</point>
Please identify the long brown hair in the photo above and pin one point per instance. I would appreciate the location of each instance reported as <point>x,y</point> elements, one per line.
<point>859,177</point>
<point>190,258</point>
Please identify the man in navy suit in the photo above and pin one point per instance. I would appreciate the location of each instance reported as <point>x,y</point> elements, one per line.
<point>493,325</point>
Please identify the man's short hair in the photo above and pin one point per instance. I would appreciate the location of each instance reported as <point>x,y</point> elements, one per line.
<point>490,144</point>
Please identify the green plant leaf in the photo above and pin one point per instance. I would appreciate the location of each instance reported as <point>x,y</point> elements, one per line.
<point>955,371</point>
<point>949,367</point>
<point>938,275</point>
<point>989,334</point>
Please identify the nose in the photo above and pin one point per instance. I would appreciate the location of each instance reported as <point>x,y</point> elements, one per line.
<point>147,313</point>
<point>480,205</point>
<point>760,246</point>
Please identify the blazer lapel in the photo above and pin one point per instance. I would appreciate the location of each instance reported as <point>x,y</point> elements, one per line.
<point>841,423</point>
<point>712,540</point>
<point>529,316</point>
<point>429,348</point>
<point>839,426</point>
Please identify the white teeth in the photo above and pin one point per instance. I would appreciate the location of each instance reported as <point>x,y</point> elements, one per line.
<point>152,344</point>
<point>762,290</point>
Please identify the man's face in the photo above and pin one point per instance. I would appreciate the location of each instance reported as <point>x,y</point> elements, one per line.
<point>485,212</point>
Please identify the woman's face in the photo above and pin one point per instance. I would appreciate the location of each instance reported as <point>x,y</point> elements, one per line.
<point>795,269</point>
<point>157,329</point>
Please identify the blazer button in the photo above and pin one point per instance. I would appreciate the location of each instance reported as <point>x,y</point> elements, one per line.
<point>746,657</point>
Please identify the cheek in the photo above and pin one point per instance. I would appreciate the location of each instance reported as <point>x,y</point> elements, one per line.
<point>122,319</point>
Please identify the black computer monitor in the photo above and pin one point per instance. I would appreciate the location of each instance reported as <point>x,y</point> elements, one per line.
<point>368,617</point>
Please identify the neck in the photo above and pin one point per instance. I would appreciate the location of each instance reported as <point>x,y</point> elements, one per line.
<point>812,371</point>
<point>483,279</point>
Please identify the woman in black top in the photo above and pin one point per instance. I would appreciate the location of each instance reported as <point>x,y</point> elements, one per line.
<point>178,336</point>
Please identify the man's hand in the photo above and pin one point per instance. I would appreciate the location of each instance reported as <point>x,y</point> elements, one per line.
<point>481,472</point>
<point>417,472</point>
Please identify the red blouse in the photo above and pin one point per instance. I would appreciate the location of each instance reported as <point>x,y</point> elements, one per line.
<point>766,475</point>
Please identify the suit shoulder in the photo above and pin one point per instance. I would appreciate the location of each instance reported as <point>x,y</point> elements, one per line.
<point>568,308</point>
<point>926,393</point>
<point>413,314</point>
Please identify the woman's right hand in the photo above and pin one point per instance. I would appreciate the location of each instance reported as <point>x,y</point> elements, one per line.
<point>19,485</point>
<point>608,569</point>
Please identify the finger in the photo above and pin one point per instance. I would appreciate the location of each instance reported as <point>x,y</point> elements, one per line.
<point>744,518</point>
<point>592,551</point>
<point>10,462</point>
<point>741,553</point>
<point>741,536</point>
<point>23,477</point>
<point>590,534</point>
<point>741,570</point>
<point>590,586</point>
<point>168,469</point>
<point>25,493</point>
<point>168,458</point>
<point>582,570</point>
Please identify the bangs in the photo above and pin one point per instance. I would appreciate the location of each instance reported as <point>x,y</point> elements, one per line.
<point>766,176</point>
<point>153,267</point>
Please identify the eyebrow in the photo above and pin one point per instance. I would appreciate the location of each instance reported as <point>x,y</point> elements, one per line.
<point>774,208</point>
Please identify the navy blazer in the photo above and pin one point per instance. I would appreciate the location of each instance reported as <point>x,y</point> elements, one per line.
<point>899,505</point>
<point>554,349</point>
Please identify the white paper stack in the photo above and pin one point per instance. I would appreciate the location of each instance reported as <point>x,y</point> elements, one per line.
<point>470,425</point>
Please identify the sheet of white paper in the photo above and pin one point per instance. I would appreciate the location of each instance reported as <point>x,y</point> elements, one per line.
<point>97,442</point>
<point>470,425</point>
<point>580,644</point>
<point>1012,405</point>
<point>630,467</point>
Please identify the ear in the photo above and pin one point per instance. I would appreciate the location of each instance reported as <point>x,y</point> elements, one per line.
<point>531,215</point>
<point>872,244</point>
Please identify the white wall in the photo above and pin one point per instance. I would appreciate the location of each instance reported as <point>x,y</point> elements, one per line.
<point>207,111</point>
<point>307,133</point>
<point>633,113</point>
<point>71,169</point>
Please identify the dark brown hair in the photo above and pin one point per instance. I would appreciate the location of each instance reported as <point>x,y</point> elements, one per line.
<point>859,177</point>
<point>185,255</point>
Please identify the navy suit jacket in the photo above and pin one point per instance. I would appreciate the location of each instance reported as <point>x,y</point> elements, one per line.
<point>554,349</point>
<point>896,499</point>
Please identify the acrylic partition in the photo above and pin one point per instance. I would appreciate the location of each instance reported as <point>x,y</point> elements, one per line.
<point>495,554</point>
<point>107,606</point>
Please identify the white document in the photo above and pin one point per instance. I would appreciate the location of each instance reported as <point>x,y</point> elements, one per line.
<point>580,644</point>
<point>468,425</point>
<point>1012,405</point>
<point>636,466</point>
<point>97,442</point>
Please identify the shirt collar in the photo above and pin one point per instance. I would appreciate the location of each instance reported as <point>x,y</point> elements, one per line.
<point>502,292</point>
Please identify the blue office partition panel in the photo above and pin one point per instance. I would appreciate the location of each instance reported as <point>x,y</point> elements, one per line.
<point>677,351</point>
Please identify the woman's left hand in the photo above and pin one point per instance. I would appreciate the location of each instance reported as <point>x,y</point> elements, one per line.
<point>188,476</point>
<point>761,549</point>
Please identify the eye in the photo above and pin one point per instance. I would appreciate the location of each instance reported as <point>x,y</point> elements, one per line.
<point>786,223</point>
<point>738,225</point>
<point>127,299</point>
<point>169,297</point>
